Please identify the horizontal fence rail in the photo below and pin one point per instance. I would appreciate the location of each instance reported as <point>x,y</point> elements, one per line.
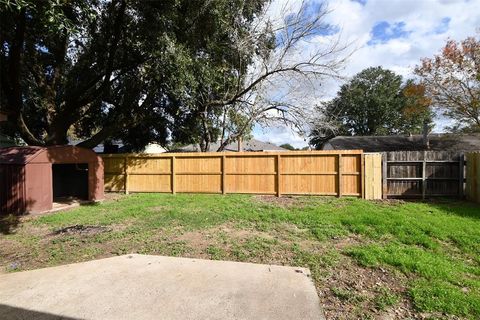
<point>337,173</point>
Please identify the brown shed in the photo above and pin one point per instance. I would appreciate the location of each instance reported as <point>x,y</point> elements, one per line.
<point>32,178</point>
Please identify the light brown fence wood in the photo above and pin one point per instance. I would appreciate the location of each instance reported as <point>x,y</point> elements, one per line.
<point>372,176</point>
<point>336,173</point>
<point>472,188</point>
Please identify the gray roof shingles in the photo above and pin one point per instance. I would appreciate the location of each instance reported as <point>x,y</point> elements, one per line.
<point>248,145</point>
<point>437,142</point>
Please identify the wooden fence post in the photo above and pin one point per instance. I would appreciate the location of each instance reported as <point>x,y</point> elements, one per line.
<point>125,169</point>
<point>473,176</point>
<point>278,176</point>
<point>384,176</point>
<point>362,175</point>
<point>173,175</point>
<point>339,173</point>
<point>224,187</point>
<point>461,175</point>
<point>424,175</point>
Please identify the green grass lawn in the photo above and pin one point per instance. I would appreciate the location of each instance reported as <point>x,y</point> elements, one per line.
<point>368,259</point>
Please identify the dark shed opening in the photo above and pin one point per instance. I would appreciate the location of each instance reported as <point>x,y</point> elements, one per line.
<point>32,177</point>
<point>70,181</point>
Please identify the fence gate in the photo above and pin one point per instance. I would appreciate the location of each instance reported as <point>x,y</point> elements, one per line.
<point>421,174</point>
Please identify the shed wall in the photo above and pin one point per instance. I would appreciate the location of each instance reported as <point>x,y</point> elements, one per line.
<point>12,189</point>
<point>38,181</point>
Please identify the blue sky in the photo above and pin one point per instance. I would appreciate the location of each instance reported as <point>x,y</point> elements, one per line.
<point>394,34</point>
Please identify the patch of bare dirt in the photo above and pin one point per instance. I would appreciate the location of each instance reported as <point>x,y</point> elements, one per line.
<point>341,243</point>
<point>283,201</point>
<point>110,196</point>
<point>349,291</point>
<point>389,202</point>
<point>81,230</point>
<point>229,238</point>
<point>158,208</point>
<point>197,240</point>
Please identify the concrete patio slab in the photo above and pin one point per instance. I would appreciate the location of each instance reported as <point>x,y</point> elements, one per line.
<point>155,287</point>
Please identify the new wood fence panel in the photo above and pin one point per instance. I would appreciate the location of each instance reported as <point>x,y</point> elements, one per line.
<point>473,176</point>
<point>198,174</point>
<point>309,172</point>
<point>373,176</point>
<point>148,174</point>
<point>255,173</point>
<point>139,165</point>
<point>114,177</point>
<point>149,183</point>
<point>351,175</point>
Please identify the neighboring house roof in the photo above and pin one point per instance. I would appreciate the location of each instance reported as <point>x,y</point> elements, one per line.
<point>97,149</point>
<point>248,145</point>
<point>437,142</point>
<point>154,148</point>
<point>118,147</point>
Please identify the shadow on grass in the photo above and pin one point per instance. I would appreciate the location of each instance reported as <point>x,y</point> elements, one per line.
<point>457,207</point>
<point>9,223</point>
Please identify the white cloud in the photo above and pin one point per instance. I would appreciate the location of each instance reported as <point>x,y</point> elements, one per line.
<point>421,19</point>
<point>279,135</point>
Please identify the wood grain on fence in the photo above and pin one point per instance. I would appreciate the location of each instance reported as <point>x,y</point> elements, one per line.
<point>472,188</point>
<point>297,172</point>
<point>372,176</point>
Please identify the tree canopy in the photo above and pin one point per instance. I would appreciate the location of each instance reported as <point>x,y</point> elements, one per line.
<point>141,71</point>
<point>374,102</point>
<point>101,69</point>
<point>452,81</point>
<point>288,146</point>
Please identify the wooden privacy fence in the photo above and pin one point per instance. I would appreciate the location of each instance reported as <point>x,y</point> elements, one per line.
<point>372,176</point>
<point>299,172</point>
<point>420,174</point>
<point>472,188</point>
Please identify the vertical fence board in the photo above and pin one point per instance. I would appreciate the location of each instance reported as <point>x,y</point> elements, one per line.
<point>278,185</point>
<point>472,188</point>
<point>373,176</point>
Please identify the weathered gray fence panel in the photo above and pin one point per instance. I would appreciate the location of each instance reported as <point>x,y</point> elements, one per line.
<point>421,174</point>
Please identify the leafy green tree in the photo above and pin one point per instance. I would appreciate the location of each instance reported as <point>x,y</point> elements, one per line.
<point>374,102</point>
<point>287,146</point>
<point>98,70</point>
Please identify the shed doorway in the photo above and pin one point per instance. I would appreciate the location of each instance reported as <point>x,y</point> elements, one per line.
<point>70,182</point>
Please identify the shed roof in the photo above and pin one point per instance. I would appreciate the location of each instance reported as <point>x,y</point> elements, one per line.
<point>437,142</point>
<point>18,155</point>
<point>24,155</point>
